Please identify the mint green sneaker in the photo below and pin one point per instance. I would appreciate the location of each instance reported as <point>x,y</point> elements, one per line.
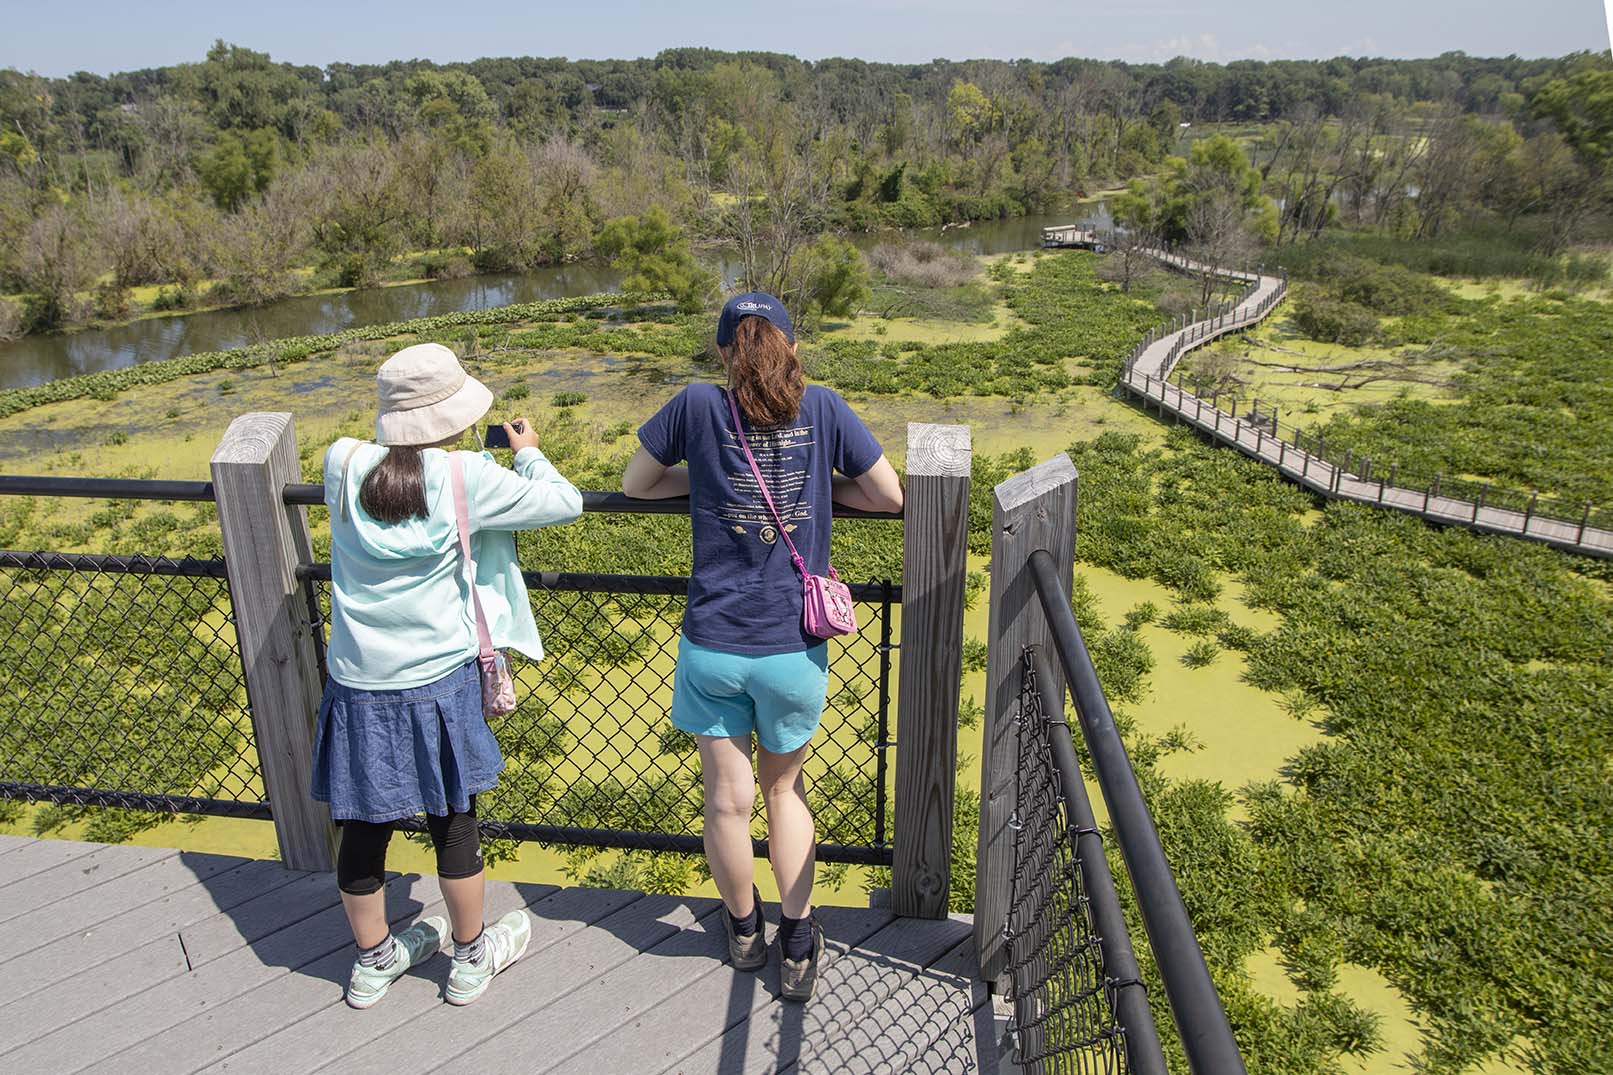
<point>416,944</point>
<point>506,942</point>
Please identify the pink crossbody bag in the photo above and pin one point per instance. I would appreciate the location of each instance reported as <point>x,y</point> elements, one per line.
<point>498,688</point>
<point>827,609</point>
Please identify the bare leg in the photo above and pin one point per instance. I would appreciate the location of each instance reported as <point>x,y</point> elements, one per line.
<point>792,838</point>
<point>367,915</point>
<point>730,788</point>
<point>463,895</point>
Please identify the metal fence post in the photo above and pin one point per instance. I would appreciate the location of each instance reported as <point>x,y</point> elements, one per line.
<point>935,539</point>
<point>264,541</point>
<point>1030,511</point>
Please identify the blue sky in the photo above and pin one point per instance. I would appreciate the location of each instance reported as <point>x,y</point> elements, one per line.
<point>101,36</point>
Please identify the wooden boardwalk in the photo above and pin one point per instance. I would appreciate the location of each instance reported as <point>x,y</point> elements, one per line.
<point>126,959</point>
<point>1146,376</point>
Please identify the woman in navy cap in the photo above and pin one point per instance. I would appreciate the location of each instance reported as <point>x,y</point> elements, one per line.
<point>746,664</point>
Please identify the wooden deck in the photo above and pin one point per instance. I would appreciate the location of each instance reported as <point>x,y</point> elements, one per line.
<point>125,959</point>
<point>1147,376</point>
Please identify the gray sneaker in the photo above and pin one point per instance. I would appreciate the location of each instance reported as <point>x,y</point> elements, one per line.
<point>798,976</point>
<point>746,953</point>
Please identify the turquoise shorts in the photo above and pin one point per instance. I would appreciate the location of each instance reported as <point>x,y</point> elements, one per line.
<point>779,696</point>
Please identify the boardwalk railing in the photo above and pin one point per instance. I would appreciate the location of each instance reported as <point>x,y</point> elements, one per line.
<point>1303,457</point>
<point>1048,924</point>
<point>192,686</point>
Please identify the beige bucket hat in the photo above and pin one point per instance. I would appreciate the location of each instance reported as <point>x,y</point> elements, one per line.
<point>427,397</point>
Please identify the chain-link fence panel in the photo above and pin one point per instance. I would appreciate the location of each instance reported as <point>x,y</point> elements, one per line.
<point>1062,1021</point>
<point>121,685</point>
<point>592,757</point>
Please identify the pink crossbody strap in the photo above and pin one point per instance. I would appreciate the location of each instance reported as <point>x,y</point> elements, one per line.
<point>739,427</point>
<point>456,472</point>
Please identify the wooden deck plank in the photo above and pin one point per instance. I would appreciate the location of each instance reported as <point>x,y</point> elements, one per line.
<point>439,1035</point>
<point>216,936</point>
<point>704,1008</point>
<point>337,1029</point>
<point>604,1003</point>
<point>39,856</point>
<point>281,1001</point>
<point>36,1013</point>
<point>782,1035</point>
<point>76,875</point>
<point>931,1015</point>
<point>124,937</point>
<point>966,1046</point>
<point>9,844</point>
<point>80,917</point>
<point>155,1008</point>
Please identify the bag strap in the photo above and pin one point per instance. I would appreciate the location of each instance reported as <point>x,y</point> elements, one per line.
<point>347,461</point>
<point>739,427</point>
<point>456,476</point>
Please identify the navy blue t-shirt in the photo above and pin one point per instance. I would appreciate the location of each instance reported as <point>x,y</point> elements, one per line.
<point>744,594</point>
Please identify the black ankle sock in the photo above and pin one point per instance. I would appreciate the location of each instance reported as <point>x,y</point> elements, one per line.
<point>747,926</point>
<point>795,937</point>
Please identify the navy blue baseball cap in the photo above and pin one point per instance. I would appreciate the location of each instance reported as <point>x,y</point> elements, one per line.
<point>752,304</point>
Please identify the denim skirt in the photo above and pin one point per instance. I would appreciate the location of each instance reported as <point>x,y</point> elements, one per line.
<point>385,755</point>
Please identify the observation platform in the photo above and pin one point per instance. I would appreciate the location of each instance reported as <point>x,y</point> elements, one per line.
<point>134,959</point>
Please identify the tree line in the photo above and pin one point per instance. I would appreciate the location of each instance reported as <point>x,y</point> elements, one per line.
<point>236,173</point>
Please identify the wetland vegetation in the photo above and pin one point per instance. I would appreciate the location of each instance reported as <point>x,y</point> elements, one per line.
<point>1428,805</point>
<point>1376,750</point>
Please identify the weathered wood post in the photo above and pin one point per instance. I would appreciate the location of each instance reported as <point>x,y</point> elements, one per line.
<point>264,541</point>
<point>1584,520</point>
<point>1478,505</point>
<point>1529,512</point>
<point>1030,511</point>
<point>935,536</point>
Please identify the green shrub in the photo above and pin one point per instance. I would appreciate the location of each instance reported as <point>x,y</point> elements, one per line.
<point>1331,320</point>
<point>568,399</point>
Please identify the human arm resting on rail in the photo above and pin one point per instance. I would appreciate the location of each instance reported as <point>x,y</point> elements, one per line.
<point>647,478</point>
<point>877,489</point>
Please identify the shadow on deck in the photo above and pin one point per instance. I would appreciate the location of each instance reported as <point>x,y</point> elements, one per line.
<point>137,959</point>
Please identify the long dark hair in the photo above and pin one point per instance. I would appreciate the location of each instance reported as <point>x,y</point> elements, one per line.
<point>764,374</point>
<point>396,489</point>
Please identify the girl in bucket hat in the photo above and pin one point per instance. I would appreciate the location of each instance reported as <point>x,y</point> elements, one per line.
<point>401,730</point>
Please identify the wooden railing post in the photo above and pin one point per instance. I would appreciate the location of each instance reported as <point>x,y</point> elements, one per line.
<point>1030,511</point>
<point>935,532</point>
<point>264,541</point>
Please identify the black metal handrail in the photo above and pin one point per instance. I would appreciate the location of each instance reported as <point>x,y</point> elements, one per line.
<point>1200,1018</point>
<point>309,494</point>
<point>1128,998</point>
<point>599,501</point>
<point>593,582</point>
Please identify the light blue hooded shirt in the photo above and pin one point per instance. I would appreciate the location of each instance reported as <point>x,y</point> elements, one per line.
<point>400,613</point>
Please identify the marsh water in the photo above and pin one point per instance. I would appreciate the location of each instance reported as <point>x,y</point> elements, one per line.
<point>37,359</point>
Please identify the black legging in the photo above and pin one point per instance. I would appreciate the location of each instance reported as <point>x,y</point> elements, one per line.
<point>361,861</point>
